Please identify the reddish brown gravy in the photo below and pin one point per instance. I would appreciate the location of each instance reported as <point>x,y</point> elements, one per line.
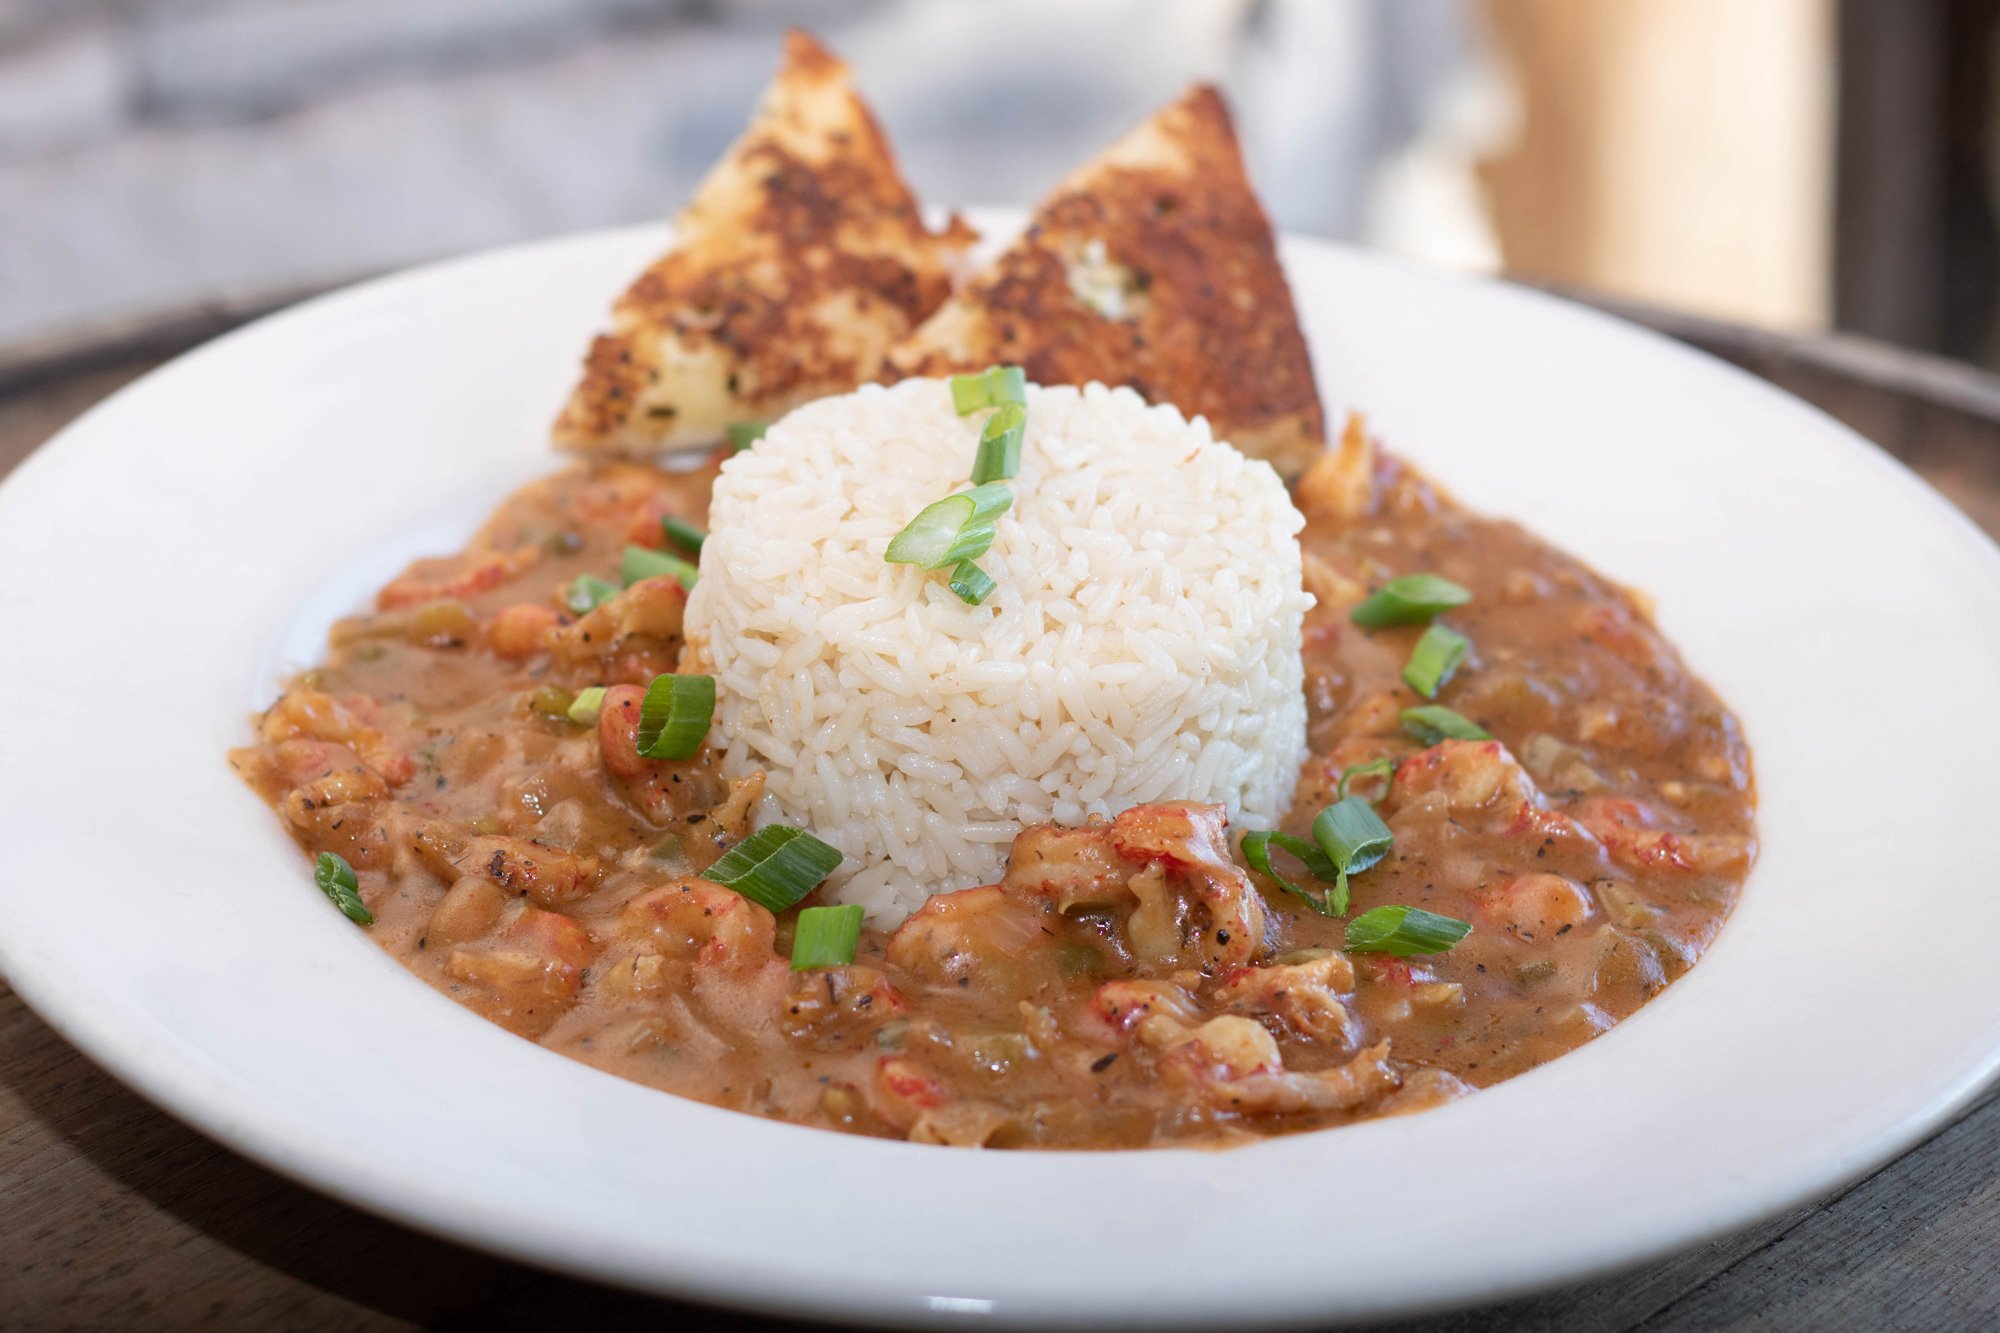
<point>1128,984</point>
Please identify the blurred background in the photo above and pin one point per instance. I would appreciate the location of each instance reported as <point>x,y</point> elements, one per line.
<point>1788,164</point>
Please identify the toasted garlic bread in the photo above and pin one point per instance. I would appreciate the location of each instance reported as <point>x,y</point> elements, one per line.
<point>801,260</point>
<point>1152,265</point>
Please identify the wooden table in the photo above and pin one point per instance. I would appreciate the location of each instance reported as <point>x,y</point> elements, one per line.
<point>114,1215</point>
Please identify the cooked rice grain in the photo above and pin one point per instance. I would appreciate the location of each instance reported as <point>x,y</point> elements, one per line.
<point>1142,644</point>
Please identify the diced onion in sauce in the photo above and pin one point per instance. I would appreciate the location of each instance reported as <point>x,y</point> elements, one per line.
<point>551,701</point>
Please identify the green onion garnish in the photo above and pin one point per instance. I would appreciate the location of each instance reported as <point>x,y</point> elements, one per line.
<point>683,534</point>
<point>1432,661</point>
<point>991,387</point>
<point>743,434</point>
<point>337,880</point>
<point>1348,838</point>
<point>1434,722</point>
<point>1257,851</point>
<point>1374,768</point>
<point>674,718</point>
<point>1404,931</point>
<point>826,936</point>
<point>642,563</point>
<point>587,593</point>
<point>956,528</point>
<point>1409,600</point>
<point>583,710</point>
<point>1000,445</point>
<point>775,866</point>
<point>1354,838</point>
<point>970,582</point>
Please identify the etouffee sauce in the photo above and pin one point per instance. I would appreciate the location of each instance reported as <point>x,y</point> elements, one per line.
<point>1128,984</point>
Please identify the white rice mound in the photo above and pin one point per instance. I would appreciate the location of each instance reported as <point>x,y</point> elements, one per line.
<point>1142,644</point>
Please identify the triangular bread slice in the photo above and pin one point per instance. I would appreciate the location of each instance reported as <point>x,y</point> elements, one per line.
<point>801,260</point>
<point>1153,266</point>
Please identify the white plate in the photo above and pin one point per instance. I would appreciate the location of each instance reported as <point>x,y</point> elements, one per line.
<point>154,560</point>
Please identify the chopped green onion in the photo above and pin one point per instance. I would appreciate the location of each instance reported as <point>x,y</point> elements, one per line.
<point>1354,838</point>
<point>1000,445</point>
<point>1434,722</point>
<point>587,593</point>
<point>1257,851</point>
<point>956,528</point>
<point>970,582</point>
<point>826,936</point>
<point>1348,838</point>
<point>991,387</point>
<point>1374,768</point>
<point>1409,600</point>
<point>642,563</point>
<point>683,534</point>
<point>743,434</point>
<point>337,880</point>
<point>1432,661</point>
<point>1404,931</point>
<point>775,866</point>
<point>675,716</point>
<point>583,710</point>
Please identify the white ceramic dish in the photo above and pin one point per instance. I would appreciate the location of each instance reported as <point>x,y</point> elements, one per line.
<point>153,566</point>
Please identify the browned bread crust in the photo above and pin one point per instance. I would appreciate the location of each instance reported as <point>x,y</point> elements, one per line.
<point>801,260</point>
<point>1153,266</point>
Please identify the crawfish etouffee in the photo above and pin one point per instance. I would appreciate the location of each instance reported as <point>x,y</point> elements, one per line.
<point>1564,811</point>
<point>980,755</point>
